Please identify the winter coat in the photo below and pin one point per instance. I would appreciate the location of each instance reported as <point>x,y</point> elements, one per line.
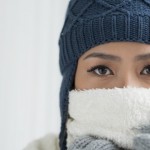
<point>48,142</point>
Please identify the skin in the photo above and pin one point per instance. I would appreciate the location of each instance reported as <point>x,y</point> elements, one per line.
<point>127,70</point>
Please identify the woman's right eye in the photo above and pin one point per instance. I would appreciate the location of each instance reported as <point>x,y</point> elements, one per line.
<point>146,70</point>
<point>100,70</point>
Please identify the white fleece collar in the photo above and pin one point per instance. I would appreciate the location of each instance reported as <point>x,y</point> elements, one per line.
<point>115,114</point>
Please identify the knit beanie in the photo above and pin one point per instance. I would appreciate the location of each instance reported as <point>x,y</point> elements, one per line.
<point>89,23</point>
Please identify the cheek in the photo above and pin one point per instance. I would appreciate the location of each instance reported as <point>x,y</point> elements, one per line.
<point>82,79</point>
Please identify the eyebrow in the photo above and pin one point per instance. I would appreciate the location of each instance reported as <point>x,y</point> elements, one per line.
<point>142,57</point>
<point>115,58</point>
<point>103,56</point>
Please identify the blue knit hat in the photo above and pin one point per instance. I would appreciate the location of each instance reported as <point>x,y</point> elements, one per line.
<point>89,23</point>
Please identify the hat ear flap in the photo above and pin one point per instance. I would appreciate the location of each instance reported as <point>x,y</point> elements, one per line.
<point>66,86</point>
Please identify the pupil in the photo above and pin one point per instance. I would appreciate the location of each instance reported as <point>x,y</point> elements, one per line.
<point>147,70</point>
<point>102,70</point>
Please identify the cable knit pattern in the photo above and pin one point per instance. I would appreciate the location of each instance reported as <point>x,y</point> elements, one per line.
<point>142,142</point>
<point>92,143</point>
<point>92,22</point>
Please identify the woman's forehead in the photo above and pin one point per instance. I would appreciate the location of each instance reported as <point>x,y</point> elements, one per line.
<point>114,49</point>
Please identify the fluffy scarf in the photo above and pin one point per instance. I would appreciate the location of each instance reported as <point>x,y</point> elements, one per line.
<point>116,114</point>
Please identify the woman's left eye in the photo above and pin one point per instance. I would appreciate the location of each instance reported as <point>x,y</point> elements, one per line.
<point>146,70</point>
<point>100,70</point>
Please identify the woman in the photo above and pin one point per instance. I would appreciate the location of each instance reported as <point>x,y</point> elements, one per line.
<point>104,52</point>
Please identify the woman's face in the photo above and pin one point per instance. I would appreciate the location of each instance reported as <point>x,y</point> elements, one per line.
<point>114,64</point>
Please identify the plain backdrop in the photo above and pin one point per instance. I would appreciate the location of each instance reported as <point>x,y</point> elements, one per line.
<point>29,70</point>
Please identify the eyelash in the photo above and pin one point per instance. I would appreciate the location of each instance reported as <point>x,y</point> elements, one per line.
<point>145,67</point>
<point>92,69</point>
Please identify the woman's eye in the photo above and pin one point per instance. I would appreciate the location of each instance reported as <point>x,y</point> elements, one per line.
<point>146,70</point>
<point>100,70</point>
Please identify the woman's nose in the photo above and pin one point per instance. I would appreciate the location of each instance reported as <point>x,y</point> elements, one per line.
<point>130,80</point>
